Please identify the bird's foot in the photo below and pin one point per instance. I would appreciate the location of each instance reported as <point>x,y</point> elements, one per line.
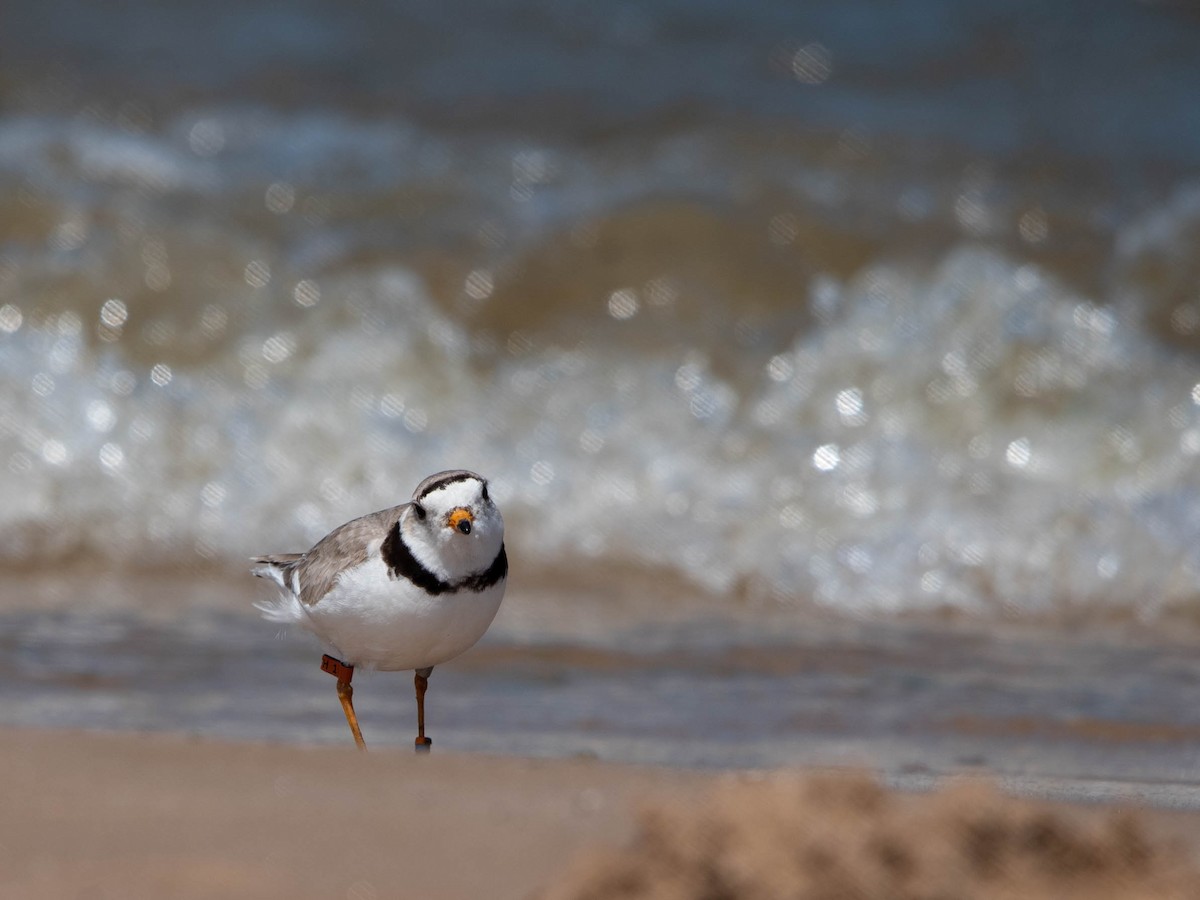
<point>422,744</point>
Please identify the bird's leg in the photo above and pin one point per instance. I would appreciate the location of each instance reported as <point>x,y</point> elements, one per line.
<point>344,673</point>
<point>421,682</point>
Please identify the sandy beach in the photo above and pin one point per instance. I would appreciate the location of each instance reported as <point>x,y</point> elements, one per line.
<point>154,816</point>
<point>133,815</point>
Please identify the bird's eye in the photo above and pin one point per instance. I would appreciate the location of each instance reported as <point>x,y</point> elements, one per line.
<point>485,493</point>
<point>419,510</point>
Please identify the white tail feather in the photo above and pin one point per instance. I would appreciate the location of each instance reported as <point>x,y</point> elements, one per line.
<point>286,606</point>
<point>284,609</point>
<point>269,570</point>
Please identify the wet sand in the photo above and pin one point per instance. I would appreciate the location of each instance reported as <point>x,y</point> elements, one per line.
<point>130,815</point>
<point>908,699</point>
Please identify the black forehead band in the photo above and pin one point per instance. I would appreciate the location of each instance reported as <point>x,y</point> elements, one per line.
<point>446,481</point>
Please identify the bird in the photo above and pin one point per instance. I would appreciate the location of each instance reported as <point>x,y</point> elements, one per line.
<point>404,588</point>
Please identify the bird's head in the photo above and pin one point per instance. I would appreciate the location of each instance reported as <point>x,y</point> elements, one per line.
<point>453,514</point>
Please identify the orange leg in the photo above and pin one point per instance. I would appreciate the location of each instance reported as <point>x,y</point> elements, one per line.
<point>421,683</point>
<point>344,673</point>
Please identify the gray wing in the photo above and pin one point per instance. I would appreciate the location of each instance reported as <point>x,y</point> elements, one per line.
<point>312,575</point>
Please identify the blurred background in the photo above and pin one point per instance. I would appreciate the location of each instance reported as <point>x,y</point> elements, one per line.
<point>746,309</point>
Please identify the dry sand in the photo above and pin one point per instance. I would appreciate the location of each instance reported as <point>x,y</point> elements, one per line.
<point>132,816</point>
<point>843,836</point>
<point>98,815</point>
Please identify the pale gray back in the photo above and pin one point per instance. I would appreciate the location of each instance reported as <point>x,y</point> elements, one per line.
<point>343,548</point>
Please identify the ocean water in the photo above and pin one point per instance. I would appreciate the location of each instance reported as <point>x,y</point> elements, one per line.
<point>845,309</point>
<point>877,311</point>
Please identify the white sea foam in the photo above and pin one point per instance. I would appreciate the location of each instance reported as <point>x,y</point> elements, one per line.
<point>974,434</point>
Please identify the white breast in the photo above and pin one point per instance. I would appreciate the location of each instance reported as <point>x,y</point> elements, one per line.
<point>372,620</point>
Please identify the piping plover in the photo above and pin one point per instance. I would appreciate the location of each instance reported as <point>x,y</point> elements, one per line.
<point>404,588</point>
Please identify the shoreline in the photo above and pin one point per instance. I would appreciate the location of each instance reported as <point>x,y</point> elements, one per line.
<point>912,700</point>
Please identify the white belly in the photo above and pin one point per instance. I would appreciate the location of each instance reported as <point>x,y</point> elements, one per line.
<point>370,620</point>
